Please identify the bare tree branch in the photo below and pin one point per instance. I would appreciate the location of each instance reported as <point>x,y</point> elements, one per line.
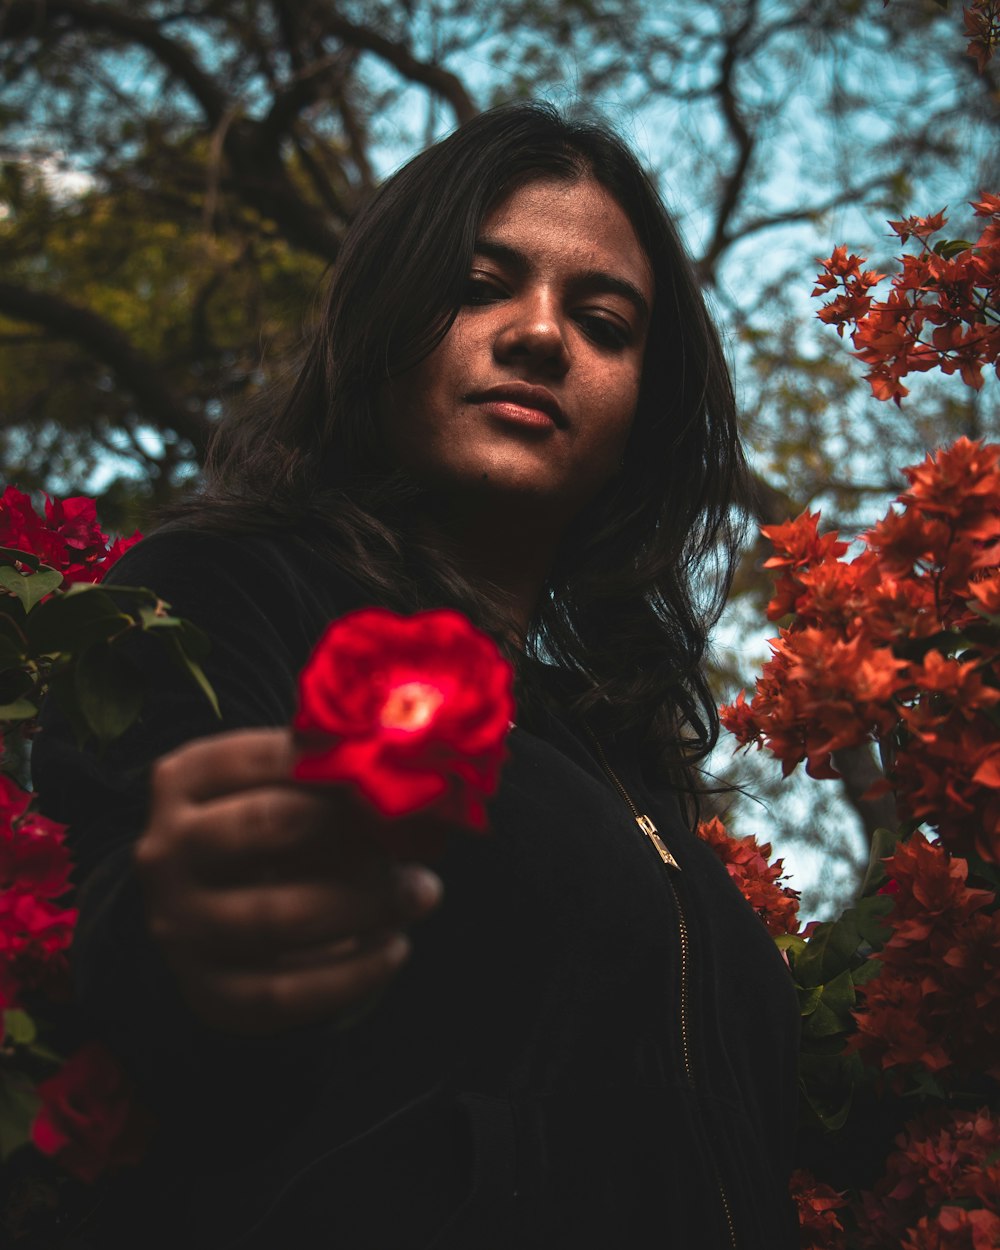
<point>106,342</point>
<point>733,186</point>
<point>859,772</point>
<point>440,80</point>
<point>26,18</point>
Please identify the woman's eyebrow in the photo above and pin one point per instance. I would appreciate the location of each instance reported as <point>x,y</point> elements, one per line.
<point>590,279</point>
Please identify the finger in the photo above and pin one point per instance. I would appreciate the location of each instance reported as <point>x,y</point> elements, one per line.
<point>258,1002</point>
<point>223,764</point>
<point>271,833</point>
<point>258,925</point>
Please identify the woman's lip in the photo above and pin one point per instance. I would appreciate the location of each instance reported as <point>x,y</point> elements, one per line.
<point>517,414</point>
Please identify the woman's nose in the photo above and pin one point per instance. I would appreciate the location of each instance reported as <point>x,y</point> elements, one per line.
<point>533,332</point>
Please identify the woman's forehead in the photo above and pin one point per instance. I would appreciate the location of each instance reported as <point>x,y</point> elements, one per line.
<point>555,221</point>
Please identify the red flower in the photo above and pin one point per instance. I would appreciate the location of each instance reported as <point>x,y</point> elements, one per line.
<point>35,931</point>
<point>746,861</point>
<point>413,711</point>
<point>89,1121</point>
<point>936,1001</point>
<point>819,1226</point>
<point>69,538</point>
<point>944,1167</point>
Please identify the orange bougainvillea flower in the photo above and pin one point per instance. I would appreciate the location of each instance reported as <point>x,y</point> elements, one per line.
<point>895,644</point>
<point>936,1000</point>
<point>946,1166</point>
<point>817,1204</point>
<point>759,881</point>
<point>941,310</point>
<point>410,711</point>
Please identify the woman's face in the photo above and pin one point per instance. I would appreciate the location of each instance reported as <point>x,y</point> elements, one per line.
<point>529,398</point>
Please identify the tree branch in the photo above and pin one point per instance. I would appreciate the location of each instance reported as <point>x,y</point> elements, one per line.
<point>107,343</point>
<point>859,772</point>
<point>442,81</point>
<point>745,142</point>
<point>25,18</point>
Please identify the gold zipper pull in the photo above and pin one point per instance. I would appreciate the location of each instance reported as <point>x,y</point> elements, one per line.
<point>649,829</point>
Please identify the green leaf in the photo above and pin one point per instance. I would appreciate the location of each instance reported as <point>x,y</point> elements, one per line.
<point>20,709</point>
<point>152,619</point>
<point>63,687</point>
<point>109,690</point>
<point>19,1105</point>
<point>832,1014</point>
<point>949,248</point>
<point>790,942</point>
<point>188,645</point>
<point>870,920</point>
<point>809,999</point>
<point>868,971</point>
<point>829,1117</point>
<point>30,587</point>
<point>23,557</point>
<point>884,843</point>
<point>68,624</point>
<point>831,948</point>
<point>19,1027</point>
<point>13,645</point>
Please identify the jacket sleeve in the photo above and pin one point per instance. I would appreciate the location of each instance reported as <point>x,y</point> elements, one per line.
<point>248,601</point>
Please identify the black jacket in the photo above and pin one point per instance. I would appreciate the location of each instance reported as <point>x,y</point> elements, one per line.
<point>523,1081</point>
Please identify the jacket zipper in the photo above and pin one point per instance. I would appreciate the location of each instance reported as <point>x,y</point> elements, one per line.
<point>649,829</point>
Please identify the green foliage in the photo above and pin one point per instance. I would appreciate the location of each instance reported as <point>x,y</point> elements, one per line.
<point>77,641</point>
<point>827,968</point>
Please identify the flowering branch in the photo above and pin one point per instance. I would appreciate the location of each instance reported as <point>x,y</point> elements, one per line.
<point>943,311</point>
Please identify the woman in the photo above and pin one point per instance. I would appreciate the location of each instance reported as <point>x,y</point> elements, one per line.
<point>572,1032</point>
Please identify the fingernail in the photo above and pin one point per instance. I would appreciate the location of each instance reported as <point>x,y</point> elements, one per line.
<point>421,889</point>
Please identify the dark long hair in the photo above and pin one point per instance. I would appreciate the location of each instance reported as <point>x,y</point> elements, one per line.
<point>642,574</point>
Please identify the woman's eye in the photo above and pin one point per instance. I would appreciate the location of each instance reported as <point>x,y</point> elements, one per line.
<point>479,290</point>
<point>605,332</point>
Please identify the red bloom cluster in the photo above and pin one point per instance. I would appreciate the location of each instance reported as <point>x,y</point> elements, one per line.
<point>68,538</point>
<point>941,1187</point>
<point>936,1000</point>
<point>982,25</point>
<point>89,1121</point>
<point>896,642</point>
<point>35,931</point>
<point>943,311</point>
<point>817,1204</point>
<point>758,880</point>
<point>413,712</point>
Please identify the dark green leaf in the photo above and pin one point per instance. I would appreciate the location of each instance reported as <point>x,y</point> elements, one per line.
<point>13,646</point>
<point>68,624</point>
<point>949,248</point>
<point>23,557</point>
<point>831,948</point>
<point>20,709</point>
<point>19,1104</point>
<point>830,1117</point>
<point>868,971</point>
<point>832,1014</point>
<point>809,999</point>
<point>63,687</point>
<point>884,843</point>
<point>188,645</point>
<point>19,1027</point>
<point>109,690</point>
